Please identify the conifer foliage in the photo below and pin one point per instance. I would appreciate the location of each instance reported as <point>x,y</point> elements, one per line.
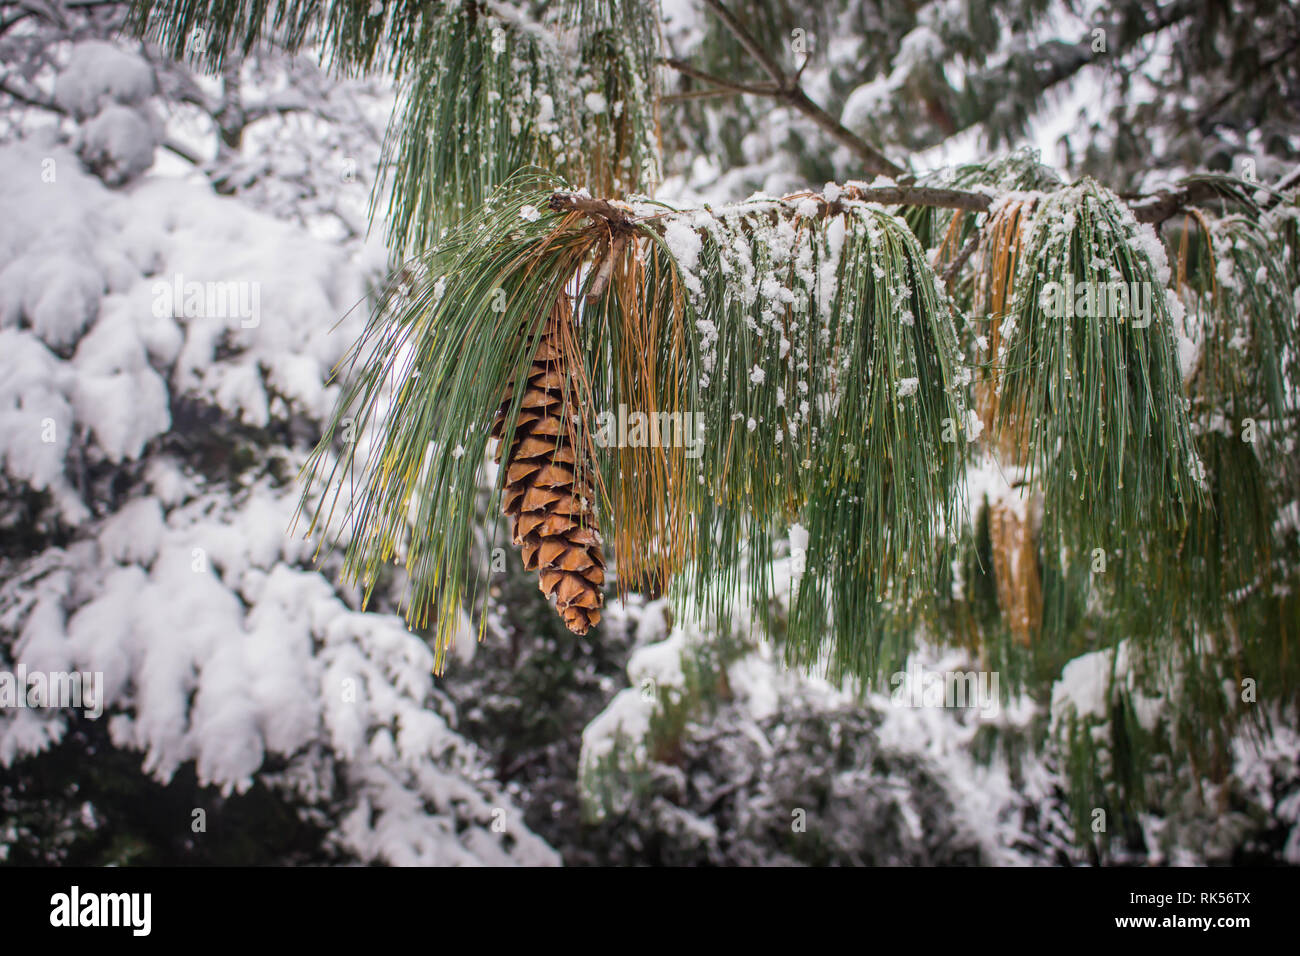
<point>893,377</point>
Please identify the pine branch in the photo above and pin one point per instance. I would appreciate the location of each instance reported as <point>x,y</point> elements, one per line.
<point>176,148</point>
<point>701,94</point>
<point>1154,209</point>
<point>1289,181</point>
<point>1115,445</point>
<point>787,90</point>
<point>1048,65</point>
<point>931,196</point>
<point>720,85</point>
<point>746,40</point>
<point>622,217</point>
<point>603,209</point>
<point>34,100</point>
<point>1160,206</point>
<point>841,406</point>
<point>963,256</point>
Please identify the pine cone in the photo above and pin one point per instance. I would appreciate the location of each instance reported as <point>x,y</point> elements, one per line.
<point>552,518</point>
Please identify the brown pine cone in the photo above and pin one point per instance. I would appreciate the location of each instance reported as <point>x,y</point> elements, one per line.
<point>552,515</point>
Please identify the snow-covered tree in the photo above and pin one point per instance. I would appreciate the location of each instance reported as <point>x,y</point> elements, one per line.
<point>164,350</point>
<point>1021,415</point>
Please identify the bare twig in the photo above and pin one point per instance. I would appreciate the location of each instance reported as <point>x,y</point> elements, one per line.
<point>746,40</point>
<point>1288,181</point>
<point>34,100</point>
<point>1158,207</point>
<point>701,94</point>
<point>174,147</point>
<point>728,86</point>
<point>787,90</point>
<point>962,257</point>
<point>875,161</point>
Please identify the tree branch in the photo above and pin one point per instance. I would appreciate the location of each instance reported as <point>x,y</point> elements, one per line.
<point>702,94</point>
<point>962,257</point>
<point>746,40</point>
<point>936,197</point>
<point>1054,62</point>
<point>875,161</point>
<point>29,100</point>
<point>592,208</point>
<point>174,147</point>
<point>1286,182</point>
<point>728,86</point>
<point>786,89</point>
<point>1153,209</point>
<point>1158,207</point>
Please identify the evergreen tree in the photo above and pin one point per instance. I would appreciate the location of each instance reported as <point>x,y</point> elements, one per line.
<point>164,346</point>
<point>1114,374</point>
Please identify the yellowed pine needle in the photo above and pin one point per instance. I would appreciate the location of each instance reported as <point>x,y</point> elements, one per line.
<point>651,540</point>
<point>1015,564</point>
<point>949,248</point>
